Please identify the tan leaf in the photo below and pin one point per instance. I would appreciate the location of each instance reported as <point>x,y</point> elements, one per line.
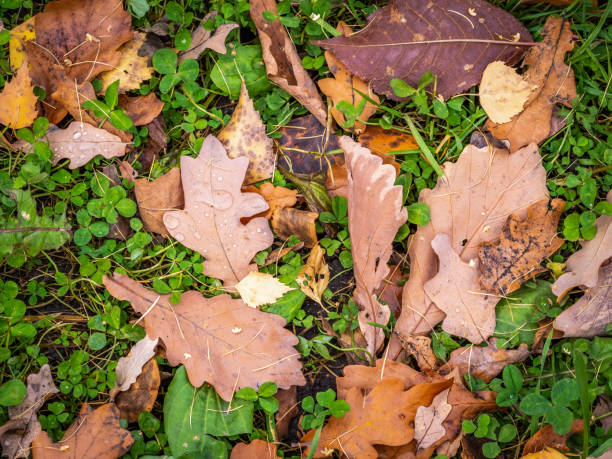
<point>503,92</point>
<point>19,35</point>
<point>592,313</point>
<point>133,66</point>
<point>507,262</point>
<point>129,367</point>
<point>257,289</point>
<point>382,417</point>
<point>390,292</point>
<point>546,69</point>
<point>383,142</point>
<point>428,428</point>
<point>256,449</point>
<point>314,276</point>
<point>219,340</point>
<point>141,395</point>
<point>245,135</point>
<point>17,433</point>
<point>420,348</point>
<point>470,312</point>
<point>210,223</point>
<point>287,222</point>
<point>203,39</point>
<point>375,213</point>
<point>336,180</point>
<point>283,65</point>
<point>141,109</point>
<point>583,266</point>
<point>18,101</point>
<point>547,438</point>
<point>470,204</point>
<point>548,453</point>
<point>277,197</point>
<point>95,434</point>
<point>287,410</point>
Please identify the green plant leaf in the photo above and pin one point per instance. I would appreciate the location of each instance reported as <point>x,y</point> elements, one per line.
<point>12,392</point>
<point>418,213</point>
<point>513,380</point>
<point>564,392</point>
<point>241,61</point>
<point>535,405</point>
<point>560,418</point>
<point>164,61</point>
<point>491,449</point>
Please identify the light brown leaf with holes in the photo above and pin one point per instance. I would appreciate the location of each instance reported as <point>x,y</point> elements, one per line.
<point>314,276</point>
<point>219,340</point>
<point>283,65</point>
<point>287,222</point>
<point>134,66</point>
<point>428,427</point>
<point>203,39</point>
<point>245,135</point>
<point>470,204</point>
<point>18,101</point>
<point>95,434</point>
<point>257,289</point>
<point>141,109</point>
<point>129,367</point>
<point>256,449</point>
<point>141,395</point>
<point>214,205</point>
<point>375,213</point>
<point>277,197</point>
<point>17,433</point>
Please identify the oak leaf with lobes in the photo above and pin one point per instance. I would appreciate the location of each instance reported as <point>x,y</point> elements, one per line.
<point>219,340</point>
<point>214,205</point>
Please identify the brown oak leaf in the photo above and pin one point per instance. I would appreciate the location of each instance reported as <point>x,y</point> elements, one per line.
<point>18,101</point>
<point>521,247</point>
<point>555,84</point>
<point>287,410</point>
<point>547,438</point>
<point>219,340</point>
<point>420,348</point>
<point>450,38</point>
<point>259,449</point>
<point>141,394</point>
<point>214,205</point>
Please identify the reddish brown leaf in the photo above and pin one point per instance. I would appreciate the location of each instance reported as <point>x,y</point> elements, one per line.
<point>141,109</point>
<point>287,410</point>
<point>277,197</point>
<point>547,438</point>
<point>156,143</point>
<point>141,395</point>
<point>287,222</point>
<point>336,181</point>
<point>256,449</point>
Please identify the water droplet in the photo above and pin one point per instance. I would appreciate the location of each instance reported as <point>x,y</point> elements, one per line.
<point>171,222</point>
<point>206,214</point>
<point>235,245</point>
<point>220,178</point>
<point>259,230</point>
<point>197,235</point>
<point>76,135</point>
<point>179,237</point>
<point>82,156</point>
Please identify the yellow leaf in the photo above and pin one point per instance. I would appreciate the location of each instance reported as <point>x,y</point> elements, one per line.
<point>17,100</point>
<point>132,69</point>
<point>19,35</point>
<point>257,289</point>
<point>314,277</point>
<point>548,453</point>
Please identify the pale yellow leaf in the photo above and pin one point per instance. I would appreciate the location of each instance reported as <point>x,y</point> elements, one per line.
<point>257,289</point>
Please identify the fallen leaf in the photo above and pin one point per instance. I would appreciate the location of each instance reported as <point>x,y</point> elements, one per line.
<point>592,313</point>
<point>18,101</point>
<point>245,135</point>
<point>314,276</point>
<point>547,438</point>
<point>390,292</point>
<point>287,410</point>
<point>280,252</point>
<point>219,340</point>
<point>257,289</point>
<point>141,109</point>
<point>582,266</point>
<point>603,411</point>
<point>383,142</point>
<point>17,433</point>
<point>375,213</point>
<point>210,223</point>
<point>156,143</point>
<point>344,86</point>
<point>428,428</point>
<point>547,453</point>
<point>95,434</point>
<point>507,262</point>
<point>283,64</point>
<point>420,348</point>
<point>203,39</point>
<point>503,92</point>
<point>142,393</point>
<point>256,449</point>
<point>287,222</point>
<point>470,204</point>
<point>470,312</point>
<point>399,41</point>
<point>129,367</point>
<point>19,35</point>
<point>483,362</point>
<point>277,197</point>
<point>546,69</point>
<point>133,68</point>
<point>336,181</point>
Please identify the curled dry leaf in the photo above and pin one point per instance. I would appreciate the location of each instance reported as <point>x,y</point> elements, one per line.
<point>470,204</point>
<point>18,101</point>
<point>399,41</point>
<point>420,348</point>
<point>19,35</point>
<point>214,205</point>
<point>245,135</point>
<point>141,395</point>
<point>383,142</point>
<point>219,340</point>
<point>257,289</point>
<point>503,92</point>
<point>428,422</point>
<point>555,84</point>
<point>277,197</point>
<point>592,313</point>
<point>287,222</point>
<point>547,438</point>
<point>516,256</point>
<point>129,367</point>
<point>314,276</point>
<point>141,109</point>
<point>203,39</point>
<point>17,433</point>
<point>95,434</point>
<point>375,214</point>
<point>256,449</point>
<point>133,66</point>
<point>583,266</point>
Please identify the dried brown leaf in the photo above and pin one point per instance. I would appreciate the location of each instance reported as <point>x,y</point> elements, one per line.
<point>141,109</point>
<point>547,438</point>
<point>420,348</point>
<point>277,197</point>
<point>603,411</point>
<point>287,410</point>
<point>287,222</point>
<point>18,101</point>
<point>336,181</point>
<point>129,367</point>
<point>383,142</point>
<point>256,449</point>
<point>133,68</point>
<point>141,394</point>
<point>219,340</point>
<point>428,422</point>
<point>314,276</point>
<point>203,39</point>
<point>548,453</point>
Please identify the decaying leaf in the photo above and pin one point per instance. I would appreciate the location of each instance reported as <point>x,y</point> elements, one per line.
<point>470,204</point>
<point>336,181</point>
<point>420,348</point>
<point>507,262</point>
<point>277,197</point>
<point>210,223</point>
<point>129,367</point>
<point>257,289</point>
<point>382,417</point>
<point>548,453</point>
<point>428,428</point>
<point>287,410</point>
<point>287,222</point>
<point>547,438</point>
<point>19,35</point>
<point>375,214</point>
<point>245,135</point>
<point>141,109</point>
<point>256,449</point>
<point>592,313</point>
<point>383,142</point>
<point>283,65</point>
<point>555,84</point>
<point>141,395</point>
<point>156,143</point>
<point>406,38</point>
<point>95,434</point>
<point>470,312</point>
<point>603,411</point>
<point>133,66</point>
<point>219,340</point>
<point>503,92</point>
<point>18,101</point>
<point>583,266</point>
<point>17,433</point>
<point>314,276</point>
<point>484,362</point>
<point>344,86</point>
<point>203,39</point>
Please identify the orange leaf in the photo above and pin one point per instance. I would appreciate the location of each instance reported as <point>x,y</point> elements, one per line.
<point>18,101</point>
<point>258,449</point>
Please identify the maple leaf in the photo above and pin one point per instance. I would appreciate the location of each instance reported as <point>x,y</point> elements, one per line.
<point>470,204</point>
<point>523,244</point>
<point>214,205</point>
<point>428,428</point>
<point>256,449</point>
<point>257,289</point>
<point>95,434</point>
<point>283,65</point>
<point>18,101</point>
<point>375,213</point>
<point>314,276</point>
<point>141,109</point>
<point>219,340</point>
<point>142,394</point>
<point>399,41</point>
<point>555,84</point>
<point>203,39</point>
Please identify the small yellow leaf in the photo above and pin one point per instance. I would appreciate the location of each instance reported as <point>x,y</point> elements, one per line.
<point>257,289</point>
<point>133,68</point>
<point>314,277</point>
<point>19,35</point>
<point>17,100</point>
<point>548,453</point>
